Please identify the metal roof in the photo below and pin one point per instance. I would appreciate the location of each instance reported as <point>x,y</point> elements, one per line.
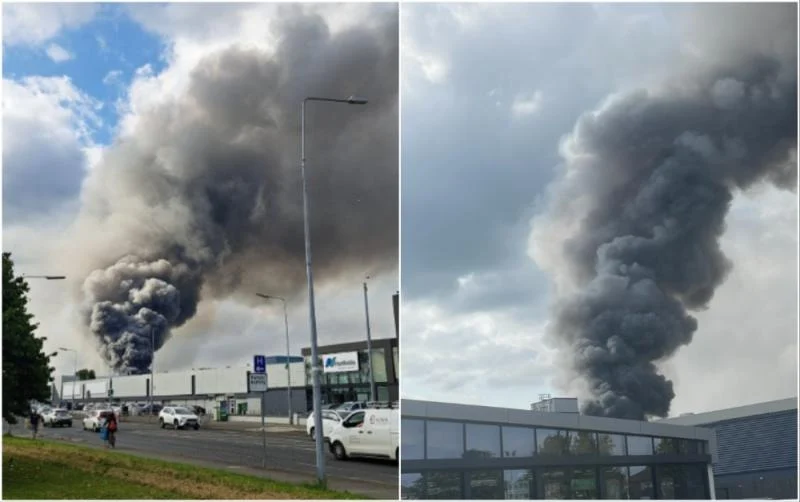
<point>749,410</point>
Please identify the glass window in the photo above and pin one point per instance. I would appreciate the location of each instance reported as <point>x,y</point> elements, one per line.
<point>445,439</point>
<point>519,484</point>
<point>583,443</point>
<point>583,484</point>
<point>483,441</point>
<point>354,420</point>
<point>555,484</point>
<point>615,482</point>
<point>396,364</point>
<point>485,485</point>
<point>411,486</point>
<point>690,447</point>
<point>611,444</point>
<point>518,442</point>
<point>413,439</point>
<point>665,446</point>
<point>552,441</point>
<point>640,445</point>
<point>669,481</point>
<point>640,482</point>
<point>696,482</point>
<point>443,485</point>
<point>378,366</point>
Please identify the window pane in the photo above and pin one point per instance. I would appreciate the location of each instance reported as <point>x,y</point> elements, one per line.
<point>518,484</point>
<point>669,481</point>
<point>378,366</point>
<point>552,442</point>
<point>413,439</point>
<point>485,485</point>
<point>445,439</point>
<point>518,442</point>
<point>696,481</point>
<point>689,447</point>
<point>412,486</point>
<point>611,444</point>
<point>583,484</point>
<point>443,485</point>
<point>640,445</point>
<point>483,441</point>
<point>615,482</point>
<point>640,482</point>
<point>583,443</point>
<point>555,484</point>
<point>665,445</point>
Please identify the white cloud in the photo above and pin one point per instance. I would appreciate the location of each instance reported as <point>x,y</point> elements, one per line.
<point>57,53</point>
<point>112,77</point>
<point>36,23</point>
<point>526,104</point>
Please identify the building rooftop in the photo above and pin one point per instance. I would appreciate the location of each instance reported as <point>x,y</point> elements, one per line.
<point>733,413</point>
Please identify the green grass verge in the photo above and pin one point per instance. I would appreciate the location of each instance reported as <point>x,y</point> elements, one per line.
<point>45,469</point>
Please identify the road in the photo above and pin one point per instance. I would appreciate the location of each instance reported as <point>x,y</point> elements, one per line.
<point>290,454</point>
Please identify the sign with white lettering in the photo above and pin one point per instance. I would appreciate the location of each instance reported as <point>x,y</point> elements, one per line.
<point>340,363</point>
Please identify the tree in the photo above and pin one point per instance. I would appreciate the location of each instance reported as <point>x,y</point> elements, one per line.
<point>85,374</point>
<point>26,368</point>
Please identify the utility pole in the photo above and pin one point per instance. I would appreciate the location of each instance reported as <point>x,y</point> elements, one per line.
<point>369,346</point>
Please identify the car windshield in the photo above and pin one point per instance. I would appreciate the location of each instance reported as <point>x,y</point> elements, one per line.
<point>182,411</point>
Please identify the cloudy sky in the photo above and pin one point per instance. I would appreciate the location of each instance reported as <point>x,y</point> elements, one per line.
<point>88,88</point>
<point>489,93</point>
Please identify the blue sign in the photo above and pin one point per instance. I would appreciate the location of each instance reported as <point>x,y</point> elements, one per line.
<point>259,364</point>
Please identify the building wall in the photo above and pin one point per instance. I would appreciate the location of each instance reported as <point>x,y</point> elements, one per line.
<point>172,384</point>
<point>130,386</point>
<point>219,381</point>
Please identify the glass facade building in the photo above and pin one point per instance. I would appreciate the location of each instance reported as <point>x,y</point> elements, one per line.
<point>338,387</point>
<point>470,452</point>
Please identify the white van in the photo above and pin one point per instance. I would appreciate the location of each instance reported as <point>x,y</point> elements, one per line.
<point>367,433</point>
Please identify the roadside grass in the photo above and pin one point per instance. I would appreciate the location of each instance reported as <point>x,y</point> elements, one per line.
<point>44,469</point>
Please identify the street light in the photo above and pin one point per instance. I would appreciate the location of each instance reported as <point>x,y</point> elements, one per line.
<point>312,321</point>
<point>369,345</point>
<point>288,371</point>
<point>74,372</point>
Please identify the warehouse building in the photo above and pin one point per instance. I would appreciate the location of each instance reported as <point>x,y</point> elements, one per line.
<point>211,388</point>
<point>757,447</point>
<point>453,451</point>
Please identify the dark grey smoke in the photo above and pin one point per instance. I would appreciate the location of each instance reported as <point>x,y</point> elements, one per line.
<point>651,177</point>
<point>203,198</point>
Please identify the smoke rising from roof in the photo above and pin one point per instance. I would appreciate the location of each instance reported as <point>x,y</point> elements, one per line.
<point>631,234</point>
<point>203,198</point>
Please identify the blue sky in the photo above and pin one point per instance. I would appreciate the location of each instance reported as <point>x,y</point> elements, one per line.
<point>103,57</point>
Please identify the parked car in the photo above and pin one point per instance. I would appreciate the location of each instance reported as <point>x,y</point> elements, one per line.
<point>95,419</point>
<point>330,420</point>
<point>368,433</point>
<point>178,417</point>
<point>345,408</point>
<point>57,417</point>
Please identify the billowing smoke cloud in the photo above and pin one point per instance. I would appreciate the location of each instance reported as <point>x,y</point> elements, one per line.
<point>202,198</point>
<point>632,231</point>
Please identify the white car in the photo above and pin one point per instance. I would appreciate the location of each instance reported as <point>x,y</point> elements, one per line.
<point>330,420</point>
<point>367,433</point>
<point>94,420</point>
<point>178,417</point>
<point>57,418</point>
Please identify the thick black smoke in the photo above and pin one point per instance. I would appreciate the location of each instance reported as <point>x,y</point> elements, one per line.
<point>650,178</point>
<point>204,195</point>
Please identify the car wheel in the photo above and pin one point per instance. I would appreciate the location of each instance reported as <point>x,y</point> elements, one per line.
<point>175,425</point>
<point>69,425</point>
<point>311,435</point>
<point>161,422</point>
<point>339,452</point>
<point>196,426</point>
<point>397,454</point>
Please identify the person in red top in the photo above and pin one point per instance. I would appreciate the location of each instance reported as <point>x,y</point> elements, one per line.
<point>111,426</point>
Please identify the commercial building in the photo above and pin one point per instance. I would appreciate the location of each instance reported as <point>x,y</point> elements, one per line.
<point>345,375</point>
<point>452,451</point>
<point>757,449</point>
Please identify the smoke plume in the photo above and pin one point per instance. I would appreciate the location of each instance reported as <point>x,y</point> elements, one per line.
<point>631,235</point>
<point>202,197</point>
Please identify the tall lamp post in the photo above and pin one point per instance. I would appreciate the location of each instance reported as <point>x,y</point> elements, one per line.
<point>312,320</point>
<point>288,369</point>
<point>74,372</point>
<point>369,345</point>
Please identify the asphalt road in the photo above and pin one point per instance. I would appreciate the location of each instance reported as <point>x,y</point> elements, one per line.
<point>290,454</point>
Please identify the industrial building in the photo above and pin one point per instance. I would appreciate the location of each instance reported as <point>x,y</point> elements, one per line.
<point>757,449</point>
<point>207,387</point>
<point>453,451</point>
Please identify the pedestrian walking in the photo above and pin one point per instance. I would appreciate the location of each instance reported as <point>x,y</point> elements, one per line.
<point>34,421</point>
<point>111,425</point>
